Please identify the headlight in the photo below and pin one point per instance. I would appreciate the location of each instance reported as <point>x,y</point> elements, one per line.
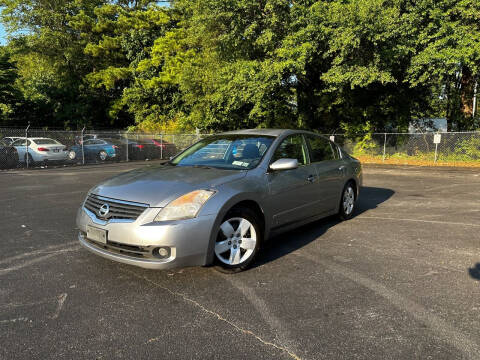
<point>185,207</point>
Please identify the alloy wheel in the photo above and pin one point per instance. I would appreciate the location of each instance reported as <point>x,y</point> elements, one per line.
<point>348,200</point>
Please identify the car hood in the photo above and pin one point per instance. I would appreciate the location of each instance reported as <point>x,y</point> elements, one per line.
<point>158,185</point>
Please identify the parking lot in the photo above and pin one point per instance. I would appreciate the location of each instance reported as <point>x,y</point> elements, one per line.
<point>401,280</point>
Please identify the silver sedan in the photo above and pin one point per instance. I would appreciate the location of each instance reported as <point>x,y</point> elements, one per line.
<point>219,200</point>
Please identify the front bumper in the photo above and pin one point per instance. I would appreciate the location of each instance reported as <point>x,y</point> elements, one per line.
<point>188,240</point>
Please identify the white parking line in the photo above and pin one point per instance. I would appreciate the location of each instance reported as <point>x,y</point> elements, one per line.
<point>47,249</point>
<point>437,325</point>
<point>61,300</point>
<point>417,220</point>
<point>263,310</point>
<point>37,260</point>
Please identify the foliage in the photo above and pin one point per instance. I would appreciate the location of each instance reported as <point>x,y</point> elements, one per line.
<point>357,65</point>
<point>469,148</point>
<point>9,95</point>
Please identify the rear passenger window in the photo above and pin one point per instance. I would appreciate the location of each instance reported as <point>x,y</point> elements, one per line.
<point>321,149</point>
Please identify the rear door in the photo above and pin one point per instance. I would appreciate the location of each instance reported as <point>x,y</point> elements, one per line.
<point>326,159</point>
<point>293,193</point>
<point>20,145</point>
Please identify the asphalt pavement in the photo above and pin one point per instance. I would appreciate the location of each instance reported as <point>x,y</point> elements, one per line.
<point>401,280</point>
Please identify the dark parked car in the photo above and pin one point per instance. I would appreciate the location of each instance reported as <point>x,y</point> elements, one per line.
<point>94,149</point>
<point>144,149</point>
<point>8,155</point>
<point>150,149</point>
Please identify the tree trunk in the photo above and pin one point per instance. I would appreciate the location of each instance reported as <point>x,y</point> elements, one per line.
<point>468,83</point>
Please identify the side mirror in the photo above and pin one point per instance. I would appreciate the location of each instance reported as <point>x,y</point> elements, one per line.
<point>284,164</point>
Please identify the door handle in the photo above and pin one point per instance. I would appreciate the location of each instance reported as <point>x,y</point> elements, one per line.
<point>311,178</point>
<point>341,168</point>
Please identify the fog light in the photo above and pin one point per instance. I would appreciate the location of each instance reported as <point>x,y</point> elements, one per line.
<point>162,252</point>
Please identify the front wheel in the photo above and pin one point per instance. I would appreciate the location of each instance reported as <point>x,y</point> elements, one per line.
<point>29,158</point>
<point>238,240</point>
<point>347,202</point>
<point>102,155</point>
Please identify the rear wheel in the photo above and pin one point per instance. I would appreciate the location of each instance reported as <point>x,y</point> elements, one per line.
<point>238,240</point>
<point>72,155</point>
<point>347,202</point>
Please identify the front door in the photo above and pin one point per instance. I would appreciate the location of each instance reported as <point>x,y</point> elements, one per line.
<point>292,193</point>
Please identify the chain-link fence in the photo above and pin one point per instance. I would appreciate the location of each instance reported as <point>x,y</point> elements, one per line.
<point>27,148</point>
<point>449,148</point>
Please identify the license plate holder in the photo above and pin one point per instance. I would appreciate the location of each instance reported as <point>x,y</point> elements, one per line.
<point>56,150</point>
<point>96,234</point>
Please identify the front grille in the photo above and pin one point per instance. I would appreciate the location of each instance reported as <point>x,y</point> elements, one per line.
<point>139,252</point>
<point>118,209</point>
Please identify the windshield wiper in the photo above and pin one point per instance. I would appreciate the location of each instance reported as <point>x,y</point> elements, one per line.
<point>202,166</point>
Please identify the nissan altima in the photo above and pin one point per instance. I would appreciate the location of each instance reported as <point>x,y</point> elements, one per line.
<point>219,200</point>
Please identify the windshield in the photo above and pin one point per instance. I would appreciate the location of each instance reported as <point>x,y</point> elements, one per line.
<point>226,152</point>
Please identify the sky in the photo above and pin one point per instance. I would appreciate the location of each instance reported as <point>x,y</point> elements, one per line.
<point>3,39</point>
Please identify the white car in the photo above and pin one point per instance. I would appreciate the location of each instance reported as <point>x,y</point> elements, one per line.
<point>40,150</point>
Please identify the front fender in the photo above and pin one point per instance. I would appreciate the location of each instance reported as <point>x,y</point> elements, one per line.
<point>227,197</point>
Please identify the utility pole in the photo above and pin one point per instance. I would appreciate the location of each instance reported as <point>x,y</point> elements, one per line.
<point>474,110</point>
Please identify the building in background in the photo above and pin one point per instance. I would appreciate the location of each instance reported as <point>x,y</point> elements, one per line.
<point>428,125</point>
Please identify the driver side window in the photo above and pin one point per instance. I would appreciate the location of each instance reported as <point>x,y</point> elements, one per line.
<point>292,147</point>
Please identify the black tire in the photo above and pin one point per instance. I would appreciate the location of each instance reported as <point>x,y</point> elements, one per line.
<point>12,162</point>
<point>31,163</point>
<point>252,217</point>
<point>349,190</point>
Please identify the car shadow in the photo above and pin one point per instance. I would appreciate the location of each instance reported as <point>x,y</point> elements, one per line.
<point>283,244</point>
<point>475,271</point>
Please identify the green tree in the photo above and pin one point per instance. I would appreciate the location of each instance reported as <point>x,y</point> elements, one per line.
<point>120,37</point>
<point>10,97</point>
<point>446,43</point>
<point>52,62</point>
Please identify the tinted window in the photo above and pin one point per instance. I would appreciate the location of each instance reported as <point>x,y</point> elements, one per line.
<point>116,141</point>
<point>45,141</point>
<point>20,142</point>
<point>292,147</point>
<point>321,149</point>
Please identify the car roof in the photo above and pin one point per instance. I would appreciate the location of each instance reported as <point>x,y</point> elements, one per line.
<point>267,132</point>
